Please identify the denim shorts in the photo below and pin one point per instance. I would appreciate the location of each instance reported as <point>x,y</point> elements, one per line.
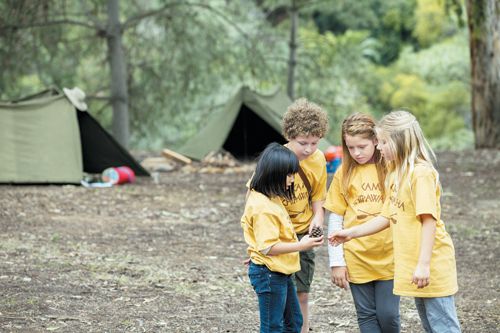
<point>303,278</point>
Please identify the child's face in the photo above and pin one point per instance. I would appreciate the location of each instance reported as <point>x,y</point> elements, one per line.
<point>289,180</point>
<point>303,146</point>
<point>384,147</point>
<point>360,149</point>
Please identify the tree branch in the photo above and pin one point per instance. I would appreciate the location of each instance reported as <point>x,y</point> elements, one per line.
<point>98,24</point>
<point>98,97</point>
<point>132,20</point>
<point>136,18</point>
<point>315,67</point>
<point>48,23</point>
<point>311,3</point>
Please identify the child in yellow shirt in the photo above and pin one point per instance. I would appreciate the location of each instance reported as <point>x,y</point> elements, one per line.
<point>304,124</point>
<point>355,195</point>
<point>273,246</point>
<point>424,256</point>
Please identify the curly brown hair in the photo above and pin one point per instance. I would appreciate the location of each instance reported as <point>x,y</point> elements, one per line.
<point>304,118</point>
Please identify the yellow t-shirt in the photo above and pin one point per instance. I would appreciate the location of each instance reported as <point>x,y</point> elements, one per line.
<point>300,210</point>
<point>368,258</point>
<point>419,194</point>
<point>265,222</point>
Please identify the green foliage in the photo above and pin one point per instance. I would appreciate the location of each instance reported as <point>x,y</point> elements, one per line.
<point>189,68</point>
<point>459,140</point>
<point>390,22</point>
<point>432,22</point>
<point>189,57</point>
<point>436,91</point>
<point>436,108</point>
<point>443,62</point>
<point>328,76</point>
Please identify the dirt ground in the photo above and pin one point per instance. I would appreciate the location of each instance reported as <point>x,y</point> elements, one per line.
<point>166,255</point>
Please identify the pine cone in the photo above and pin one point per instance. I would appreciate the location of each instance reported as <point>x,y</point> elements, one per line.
<point>316,232</point>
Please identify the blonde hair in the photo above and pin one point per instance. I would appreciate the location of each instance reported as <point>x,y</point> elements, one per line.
<point>406,142</point>
<point>362,125</point>
<point>304,118</point>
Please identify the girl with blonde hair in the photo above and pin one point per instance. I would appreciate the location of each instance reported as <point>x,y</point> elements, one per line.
<point>356,194</point>
<point>424,256</point>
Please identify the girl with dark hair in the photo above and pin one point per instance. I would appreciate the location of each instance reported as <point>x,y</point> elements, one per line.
<point>273,246</point>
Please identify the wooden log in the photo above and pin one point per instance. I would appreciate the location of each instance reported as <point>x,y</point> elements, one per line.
<point>158,164</point>
<point>176,156</point>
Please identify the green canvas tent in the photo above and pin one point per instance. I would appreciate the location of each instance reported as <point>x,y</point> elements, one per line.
<point>243,126</point>
<point>45,139</point>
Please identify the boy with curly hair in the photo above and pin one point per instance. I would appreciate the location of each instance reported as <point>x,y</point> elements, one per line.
<point>304,124</point>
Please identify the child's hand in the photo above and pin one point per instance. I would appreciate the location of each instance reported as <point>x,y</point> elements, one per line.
<point>340,277</point>
<point>307,242</point>
<point>339,237</point>
<point>313,226</point>
<point>421,276</point>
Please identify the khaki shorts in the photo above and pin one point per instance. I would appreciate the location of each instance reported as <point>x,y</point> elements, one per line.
<point>304,277</point>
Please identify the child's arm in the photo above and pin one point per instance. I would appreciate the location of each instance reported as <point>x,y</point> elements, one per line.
<point>373,226</point>
<point>319,214</point>
<point>422,273</point>
<point>318,198</point>
<point>305,243</point>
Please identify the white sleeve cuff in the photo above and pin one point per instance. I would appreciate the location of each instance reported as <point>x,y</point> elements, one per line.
<point>335,253</point>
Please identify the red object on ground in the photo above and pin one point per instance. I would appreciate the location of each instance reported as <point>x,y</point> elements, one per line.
<point>118,175</point>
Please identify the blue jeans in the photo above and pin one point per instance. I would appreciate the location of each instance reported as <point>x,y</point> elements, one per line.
<point>377,307</point>
<point>438,314</point>
<point>278,304</point>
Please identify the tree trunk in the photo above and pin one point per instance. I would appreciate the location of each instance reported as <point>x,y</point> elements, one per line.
<point>116,58</point>
<point>484,31</point>
<point>292,61</point>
